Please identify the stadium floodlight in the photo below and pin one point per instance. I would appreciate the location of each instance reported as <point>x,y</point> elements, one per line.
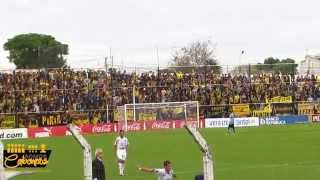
<point>86,148</point>
<point>207,156</point>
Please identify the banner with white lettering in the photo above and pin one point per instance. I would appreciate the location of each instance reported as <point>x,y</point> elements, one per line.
<point>238,122</point>
<point>19,133</point>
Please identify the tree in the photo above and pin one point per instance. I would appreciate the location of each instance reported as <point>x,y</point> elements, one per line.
<point>271,60</point>
<point>286,66</point>
<point>197,56</point>
<point>270,65</point>
<point>36,51</point>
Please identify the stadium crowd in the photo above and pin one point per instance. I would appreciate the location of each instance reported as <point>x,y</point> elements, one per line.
<point>60,90</point>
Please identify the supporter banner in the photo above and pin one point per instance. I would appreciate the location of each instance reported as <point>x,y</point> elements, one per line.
<point>28,120</point>
<point>316,118</point>
<point>306,108</point>
<point>241,110</point>
<point>142,116</point>
<point>238,122</point>
<point>80,118</point>
<point>130,115</point>
<point>294,119</point>
<point>280,99</point>
<point>282,108</point>
<point>147,116</point>
<point>52,120</point>
<point>7,121</point>
<point>265,112</point>
<point>271,120</point>
<point>216,111</point>
<point>32,120</point>
<point>19,133</point>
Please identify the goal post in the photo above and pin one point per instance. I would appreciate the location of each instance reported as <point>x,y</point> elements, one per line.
<point>187,111</point>
<point>86,149</point>
<point>5,175</point>
<point>2,174</point>
<point>207,157</point>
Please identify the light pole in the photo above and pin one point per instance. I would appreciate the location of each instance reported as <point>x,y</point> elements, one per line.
<point>240,58</point>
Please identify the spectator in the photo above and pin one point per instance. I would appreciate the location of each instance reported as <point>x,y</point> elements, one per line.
<point>78,90</point>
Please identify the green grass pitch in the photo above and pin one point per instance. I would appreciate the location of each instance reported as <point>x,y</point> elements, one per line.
<point>264,153</point>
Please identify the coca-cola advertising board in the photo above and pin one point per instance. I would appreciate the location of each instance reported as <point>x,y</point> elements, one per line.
<point>108,128</point>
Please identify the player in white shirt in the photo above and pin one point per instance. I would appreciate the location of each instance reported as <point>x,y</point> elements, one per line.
<point>166,173</point>
<point>121,146</point>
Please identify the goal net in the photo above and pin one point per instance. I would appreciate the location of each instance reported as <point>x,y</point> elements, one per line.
<point>187,111</point>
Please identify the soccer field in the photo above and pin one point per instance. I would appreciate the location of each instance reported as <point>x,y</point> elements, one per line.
<point>265,153</point>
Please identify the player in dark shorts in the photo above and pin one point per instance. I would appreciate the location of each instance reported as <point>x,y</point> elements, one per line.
<point>231,123</point>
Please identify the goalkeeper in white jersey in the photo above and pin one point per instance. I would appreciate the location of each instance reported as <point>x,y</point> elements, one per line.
<point>121,147</point>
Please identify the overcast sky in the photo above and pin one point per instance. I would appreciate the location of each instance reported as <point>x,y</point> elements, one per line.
<point>133,28</point>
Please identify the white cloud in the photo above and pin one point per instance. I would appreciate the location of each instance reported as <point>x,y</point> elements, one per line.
<point>133,28</point>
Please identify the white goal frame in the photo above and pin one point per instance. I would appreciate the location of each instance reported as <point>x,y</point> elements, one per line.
<point>9,174</point>
<point>135,106</point>
<point>208,168</point>
<point>86,149</point>
<point>2,173</point>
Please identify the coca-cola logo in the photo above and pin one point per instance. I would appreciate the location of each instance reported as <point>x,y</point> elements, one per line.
<point>134,127</point>
<point>160,125</point>
<point>102,129</point>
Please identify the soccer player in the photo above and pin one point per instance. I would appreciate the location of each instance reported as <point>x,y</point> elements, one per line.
<point>231,123</point>
<point>121,147</point>
<point>166,173</point>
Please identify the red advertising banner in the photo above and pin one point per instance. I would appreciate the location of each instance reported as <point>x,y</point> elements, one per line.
<point>150,125</point>
<point>316,118</point>
<point>135,126</point>
<point>85,129</point>
<point>102,128</point>
<point>132,126</point>
<point>47,131</point>
<point>108,128</point>
<point>181,124</point>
